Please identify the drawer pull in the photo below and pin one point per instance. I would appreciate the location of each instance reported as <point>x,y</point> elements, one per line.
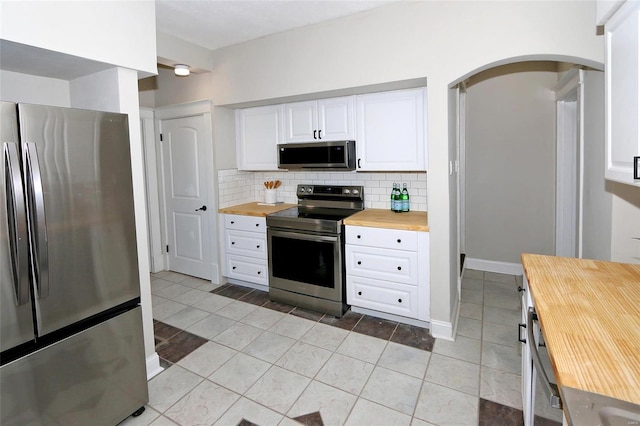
<point>358,237</point>
<point>399,240</point>
<point>520,289</point>
<point>233,267</point>
<point>259,272</point>
<point>232,222</point>
<point>359,262</point>
<point>399,268</point>
<point>233,242</point>
<point>258,246</point>
<point>359,293</point>
<point>399,300</point>
<point>257,224</point>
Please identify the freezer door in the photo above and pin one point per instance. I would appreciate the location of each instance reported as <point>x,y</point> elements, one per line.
<point>96,377</point>
<point>80,209</point>
<point>16,319</point>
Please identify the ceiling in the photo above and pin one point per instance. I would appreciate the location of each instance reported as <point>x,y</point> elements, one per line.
<point>218,23</point>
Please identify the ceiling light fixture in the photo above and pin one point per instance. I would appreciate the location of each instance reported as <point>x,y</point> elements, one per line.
<point>181,70</point>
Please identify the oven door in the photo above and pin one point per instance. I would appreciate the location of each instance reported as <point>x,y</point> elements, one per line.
<point>306,263</point>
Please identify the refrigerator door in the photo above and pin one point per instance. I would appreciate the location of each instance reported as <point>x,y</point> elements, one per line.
<point>96,377</point>
<point>80,210</point>
<point>16,319</point>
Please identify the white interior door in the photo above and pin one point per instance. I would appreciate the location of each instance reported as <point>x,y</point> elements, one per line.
<point>187,204</point>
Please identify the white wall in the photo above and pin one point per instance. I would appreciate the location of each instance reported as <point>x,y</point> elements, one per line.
<point>510,173</point>
<point>114,32</point>
<point>596,236</point>
<point>442,41</point>
<point>17,87</point>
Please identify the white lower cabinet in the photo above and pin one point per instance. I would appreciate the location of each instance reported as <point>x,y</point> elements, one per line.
<point>388,271</point>
<point>245,248</point>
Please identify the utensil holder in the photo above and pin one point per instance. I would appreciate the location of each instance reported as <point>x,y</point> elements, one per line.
<point>270,196</point>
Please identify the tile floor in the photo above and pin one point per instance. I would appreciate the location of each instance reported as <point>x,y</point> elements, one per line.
<point>233,357</point>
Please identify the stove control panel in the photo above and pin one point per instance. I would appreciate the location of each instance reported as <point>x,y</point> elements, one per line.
<point>333,191</point>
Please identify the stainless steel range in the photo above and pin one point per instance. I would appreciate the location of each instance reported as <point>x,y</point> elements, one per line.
<point>306,248</point>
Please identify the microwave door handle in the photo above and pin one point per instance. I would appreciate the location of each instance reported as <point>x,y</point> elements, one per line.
<point>550,389</point>
<point>37,225</point>
<point>17,220</point>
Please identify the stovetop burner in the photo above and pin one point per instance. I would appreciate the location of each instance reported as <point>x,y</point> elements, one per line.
<point>321,208</point>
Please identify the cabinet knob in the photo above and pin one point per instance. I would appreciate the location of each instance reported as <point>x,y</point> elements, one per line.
<point>233,242</point>
<point>258,246</point>
<point>399,240</point>
<point>359,293</point>
<point>359,262</point>
<point>358,237</point>
<point>399,268</point>
<point>399,300</point>
<point>259,272</point>
<point>520,289</point>
<point>232,222</point>
<point>257,224</point>
<point>233,267</point>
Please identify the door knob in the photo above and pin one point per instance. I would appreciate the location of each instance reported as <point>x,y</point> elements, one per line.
<point>204,209</point>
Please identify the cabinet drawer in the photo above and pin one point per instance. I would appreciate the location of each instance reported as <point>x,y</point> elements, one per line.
<point>245,223</point>
<point>248,269</point>
<point>382,296</point>
<point>253,244</point>
<point>383,264</point>
<point>382,237</point>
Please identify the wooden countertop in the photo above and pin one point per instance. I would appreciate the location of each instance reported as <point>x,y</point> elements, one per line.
<point>590,313</point>
<point>380,218</point>
<point>254,209</point>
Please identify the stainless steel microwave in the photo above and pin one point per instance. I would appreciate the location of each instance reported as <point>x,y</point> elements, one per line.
<point>338,155</point>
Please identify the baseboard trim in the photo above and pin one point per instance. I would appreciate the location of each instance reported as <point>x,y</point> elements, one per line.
<point>442,330</point>
<point>153,366</point>
<point>494,266</point>
<point>391,317</point>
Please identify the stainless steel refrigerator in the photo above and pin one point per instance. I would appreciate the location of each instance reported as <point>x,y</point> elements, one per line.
<point>71,338</point>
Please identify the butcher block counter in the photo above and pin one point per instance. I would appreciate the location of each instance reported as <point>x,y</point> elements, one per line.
<point>590,313</point>
<point>380,218</point>
<point>254,209</point>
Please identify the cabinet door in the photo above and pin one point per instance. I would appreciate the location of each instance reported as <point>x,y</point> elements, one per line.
<point>248,269</point>
<point>391,131</point>
<point>301,121</point>
<point>384,296</point>
<point>258,132</point>
<point>336,119</point>
<point>622,90</point>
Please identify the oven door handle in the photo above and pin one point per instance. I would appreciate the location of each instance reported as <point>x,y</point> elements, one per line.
<point>550,389</point>
<point>297,235</point>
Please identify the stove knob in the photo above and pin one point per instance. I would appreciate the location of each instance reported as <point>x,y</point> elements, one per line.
<point>346,191</point>
<point>355,192</point>
<point>301,189</point>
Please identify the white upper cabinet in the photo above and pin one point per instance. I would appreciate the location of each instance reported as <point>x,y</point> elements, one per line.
<point>329,119</point>
<point>391,131</point>
<point>258,132</point>
<point>622,91</point>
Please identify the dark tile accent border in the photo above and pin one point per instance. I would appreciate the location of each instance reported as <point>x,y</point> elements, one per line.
<point>347,322</point>
<point>179,346</point>
<point>494,414</point>
<point>232,291</point>
<point>164,331</point>
<point>411,335</point>
<point>245,422</point>
<point>256,297</point>
<point>311,419</point>
<point>375,327</point>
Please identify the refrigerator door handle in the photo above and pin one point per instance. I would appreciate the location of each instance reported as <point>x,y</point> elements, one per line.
<point>37,225</point>
<point>17,218</point>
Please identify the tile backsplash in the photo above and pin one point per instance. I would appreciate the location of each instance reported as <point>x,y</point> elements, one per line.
<point>237,187</point>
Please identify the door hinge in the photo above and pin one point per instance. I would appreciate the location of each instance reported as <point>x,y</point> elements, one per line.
<point>160,137</point>
<point>167,248</point>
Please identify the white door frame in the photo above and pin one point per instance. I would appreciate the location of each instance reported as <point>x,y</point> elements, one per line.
<point>569,164</point>
<point>156,254</point>
<point>190,109</point>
